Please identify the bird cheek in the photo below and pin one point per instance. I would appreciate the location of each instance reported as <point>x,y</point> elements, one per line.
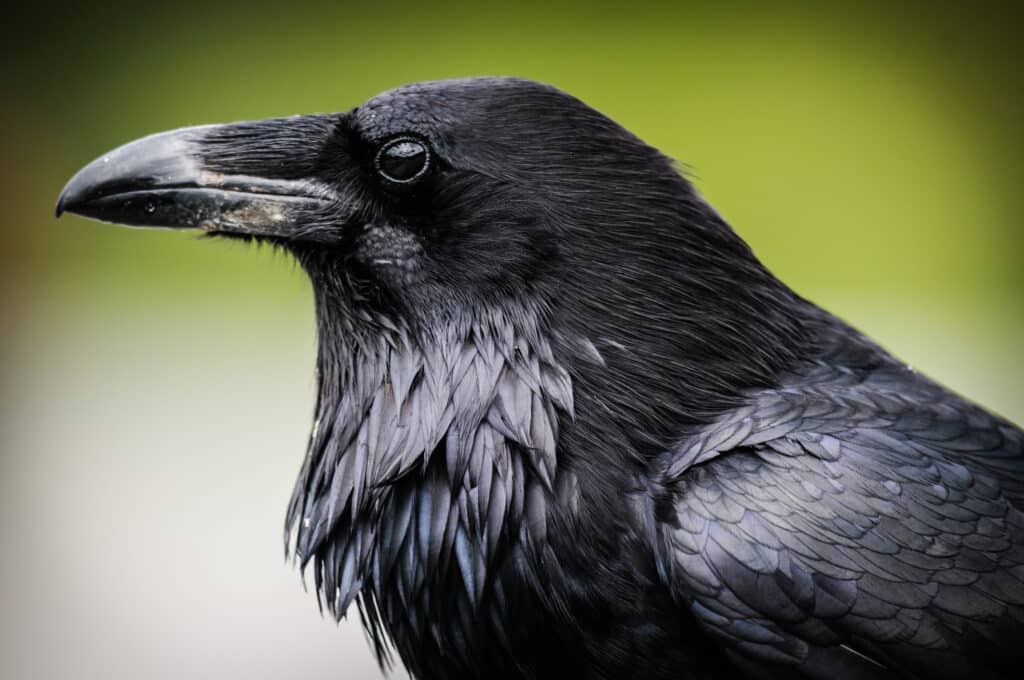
<point>389,250</point>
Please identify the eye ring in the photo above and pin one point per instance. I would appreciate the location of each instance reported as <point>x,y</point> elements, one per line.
<point>403,160</point>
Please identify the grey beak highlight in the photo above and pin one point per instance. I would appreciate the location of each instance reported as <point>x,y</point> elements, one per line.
<point>163,181</point>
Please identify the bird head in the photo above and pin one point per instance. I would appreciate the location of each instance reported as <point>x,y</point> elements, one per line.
<point>461,192</point>
<point>465,198</point>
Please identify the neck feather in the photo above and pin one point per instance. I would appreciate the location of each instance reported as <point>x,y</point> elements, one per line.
<point>433,451</point>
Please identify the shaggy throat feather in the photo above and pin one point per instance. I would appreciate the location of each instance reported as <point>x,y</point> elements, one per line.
<point>431,458</point>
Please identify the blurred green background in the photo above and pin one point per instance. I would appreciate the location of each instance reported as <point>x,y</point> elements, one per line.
<point>156,389</point>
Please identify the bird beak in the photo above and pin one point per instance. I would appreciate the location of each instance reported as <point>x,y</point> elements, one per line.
<point>254,178</point>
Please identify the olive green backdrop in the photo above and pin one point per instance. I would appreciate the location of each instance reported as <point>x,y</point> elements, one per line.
<point>156,390</point>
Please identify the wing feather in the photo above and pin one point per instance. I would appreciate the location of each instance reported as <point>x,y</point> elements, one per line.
<point>852,522</point>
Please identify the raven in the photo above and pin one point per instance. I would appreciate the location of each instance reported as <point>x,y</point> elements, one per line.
<point>568,425</point>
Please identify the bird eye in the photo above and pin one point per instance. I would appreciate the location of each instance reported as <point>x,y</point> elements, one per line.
<point>403,160</point>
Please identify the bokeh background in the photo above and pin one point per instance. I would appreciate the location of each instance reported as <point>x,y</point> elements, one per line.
<point>156,389</point>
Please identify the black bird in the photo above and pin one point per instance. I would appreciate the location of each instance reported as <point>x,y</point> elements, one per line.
<point>569,426</point>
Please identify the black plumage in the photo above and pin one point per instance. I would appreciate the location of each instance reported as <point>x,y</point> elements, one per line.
<point>569,426</point>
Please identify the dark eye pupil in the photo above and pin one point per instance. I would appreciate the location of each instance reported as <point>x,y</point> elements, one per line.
<point>403,160</point>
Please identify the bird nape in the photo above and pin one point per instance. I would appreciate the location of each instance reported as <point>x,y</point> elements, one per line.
<point>569,426</point>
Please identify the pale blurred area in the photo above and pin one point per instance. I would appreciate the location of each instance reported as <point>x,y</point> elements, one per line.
<point>148,459</point>
<point>156,389</point>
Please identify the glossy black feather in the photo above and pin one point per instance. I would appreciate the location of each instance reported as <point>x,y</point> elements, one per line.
<point>569,426</point>
<point>863,508</point>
